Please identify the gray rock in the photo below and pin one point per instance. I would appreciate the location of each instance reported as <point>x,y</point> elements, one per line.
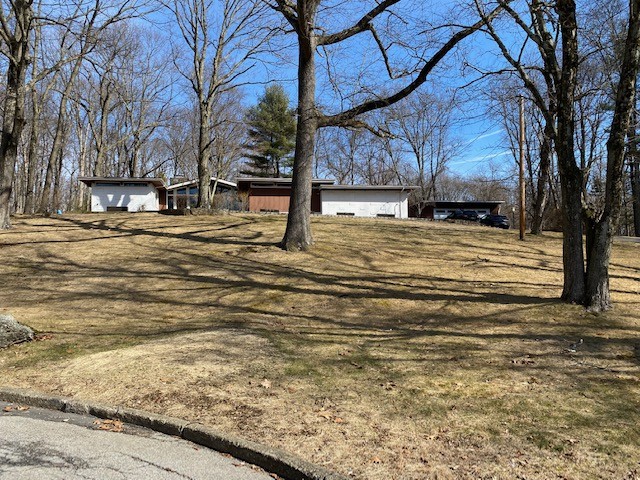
<point>12,332</point>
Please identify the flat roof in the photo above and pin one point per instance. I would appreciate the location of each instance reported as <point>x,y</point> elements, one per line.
<point>193,182</point>
<point>462,202</point>
<point>369,187</point>
<point>277,180</point>
<point>158,182</point>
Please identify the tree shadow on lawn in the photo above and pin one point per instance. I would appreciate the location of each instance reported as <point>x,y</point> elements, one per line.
<point>421,335</point>
<point>123,231</point>
<point>203,282</point>
<point>205,293</point>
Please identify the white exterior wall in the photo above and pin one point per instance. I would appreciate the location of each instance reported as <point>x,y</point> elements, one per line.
<point>137,198</point>
<point>365,203</point>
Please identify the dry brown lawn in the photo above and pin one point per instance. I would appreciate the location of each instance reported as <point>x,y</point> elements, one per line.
<point>392,350</point>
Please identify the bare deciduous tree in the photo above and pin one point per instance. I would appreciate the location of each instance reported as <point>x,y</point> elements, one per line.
<point>311,34</point>
<point>222,37</point>
<point>16,26</point>
<point>423,123</point>
<point>554,30</point>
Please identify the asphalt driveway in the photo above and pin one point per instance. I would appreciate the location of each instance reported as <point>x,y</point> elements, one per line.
<point>36,443</point>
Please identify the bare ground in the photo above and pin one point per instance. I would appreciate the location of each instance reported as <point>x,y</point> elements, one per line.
<point>392,350</point>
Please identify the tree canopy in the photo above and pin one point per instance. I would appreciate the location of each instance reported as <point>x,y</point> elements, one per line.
<point>271,135</point>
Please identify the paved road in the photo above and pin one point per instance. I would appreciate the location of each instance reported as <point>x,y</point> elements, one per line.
<point>42,444</point>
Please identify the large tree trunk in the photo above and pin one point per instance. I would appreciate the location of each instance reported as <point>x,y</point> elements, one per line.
<point>572,229</point>
<point>13,121</point>
<point>134,157</point>
<point>298,233</point>
<point>571,177</point>
<point>32,157</point>
<point>597,293</point>
<point>599,242</point>
<point>204,149</point>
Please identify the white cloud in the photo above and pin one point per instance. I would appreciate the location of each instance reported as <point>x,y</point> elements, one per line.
<point>481,158</point>
<point>485,135</point>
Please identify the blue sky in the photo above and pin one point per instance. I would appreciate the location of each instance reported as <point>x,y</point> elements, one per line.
<point>480,150</point>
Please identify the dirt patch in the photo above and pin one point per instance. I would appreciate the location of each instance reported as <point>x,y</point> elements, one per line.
<point>391,350</point>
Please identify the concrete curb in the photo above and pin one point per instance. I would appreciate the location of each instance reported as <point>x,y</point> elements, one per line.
<point>273,460</point>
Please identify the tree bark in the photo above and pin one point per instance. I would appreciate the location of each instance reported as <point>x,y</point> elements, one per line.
<point>204,155</point>
<point>298,233</point>
<point>634,172</point>
<point>56,152</point>
<point>57,182</point>
<point>14,105</point>
<point>635,193</point>
<point>542,186</point>
<point>32,155</point>
<point>571,177</point>
<point>101,141</point>
<point>37,100</point>
<point>597,296</point>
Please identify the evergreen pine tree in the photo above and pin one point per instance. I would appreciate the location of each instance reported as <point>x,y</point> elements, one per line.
<point>272,132</point>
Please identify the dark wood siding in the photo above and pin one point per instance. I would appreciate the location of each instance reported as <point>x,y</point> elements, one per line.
<point>271,199</point>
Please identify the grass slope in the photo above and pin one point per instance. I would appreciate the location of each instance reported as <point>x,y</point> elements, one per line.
<point>392,350</point>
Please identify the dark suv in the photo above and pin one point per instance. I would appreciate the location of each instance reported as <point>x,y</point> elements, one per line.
<point>470,215</point>
<point>499,221</point>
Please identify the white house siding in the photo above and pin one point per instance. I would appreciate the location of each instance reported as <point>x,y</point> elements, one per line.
<point>365,203</point>
<point>137,198</point>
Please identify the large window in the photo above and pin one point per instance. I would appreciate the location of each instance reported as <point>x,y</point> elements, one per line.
<point>183,197</point>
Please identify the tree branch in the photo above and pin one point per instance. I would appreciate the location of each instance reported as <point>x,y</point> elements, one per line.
<point>367,106</point>
<point>362,25</point>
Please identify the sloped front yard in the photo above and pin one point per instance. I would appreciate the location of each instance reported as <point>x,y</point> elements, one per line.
<point>392,350</point>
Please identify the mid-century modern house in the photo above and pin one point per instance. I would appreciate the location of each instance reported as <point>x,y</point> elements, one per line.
<point>439,210</point>
<point>272,195</point>
<point>185,194</point>
<point>109,194</point>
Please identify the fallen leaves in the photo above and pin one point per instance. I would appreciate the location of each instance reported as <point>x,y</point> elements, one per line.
<point>16,408</point>
<point>330,416</point>
<point>265,383</point>
<point>109,425</point>
<point>388,386</point>
<point>524,360</point>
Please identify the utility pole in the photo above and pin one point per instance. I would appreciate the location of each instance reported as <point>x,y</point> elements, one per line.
<point>522,186</point>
